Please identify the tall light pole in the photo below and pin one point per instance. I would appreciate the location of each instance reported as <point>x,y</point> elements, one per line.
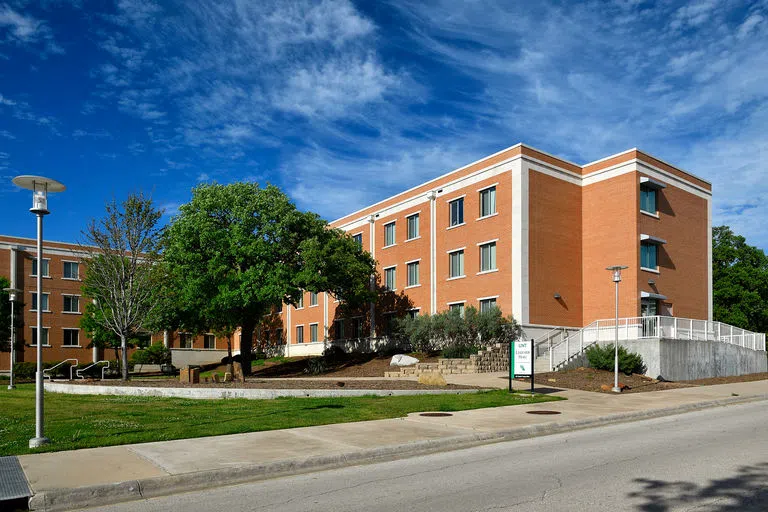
<point>12,298</point>
<point>616,269</point>
<point>40,187</point>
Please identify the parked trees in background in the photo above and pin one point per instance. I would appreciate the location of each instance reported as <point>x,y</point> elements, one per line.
<point>122,277</point>
<point>235,251</point>
<point>458,335</point>
<point>739,281</point>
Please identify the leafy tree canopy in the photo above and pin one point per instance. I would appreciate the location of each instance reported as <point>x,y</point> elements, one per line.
<point>235,251</point>
<point>739,280</point>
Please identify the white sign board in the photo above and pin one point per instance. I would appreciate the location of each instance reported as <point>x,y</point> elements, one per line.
<point>523,357</point>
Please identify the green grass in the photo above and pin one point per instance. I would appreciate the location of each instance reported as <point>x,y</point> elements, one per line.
<point>86,421</point>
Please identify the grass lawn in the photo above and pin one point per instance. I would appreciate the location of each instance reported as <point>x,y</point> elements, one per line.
<point>87,421</point>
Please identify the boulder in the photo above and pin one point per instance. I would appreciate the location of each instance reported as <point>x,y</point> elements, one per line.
<point>402,360</point>
<point>432,379</point>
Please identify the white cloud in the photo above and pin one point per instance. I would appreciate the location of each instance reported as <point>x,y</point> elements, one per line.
<point>23,30</point>
<point>6,101</point>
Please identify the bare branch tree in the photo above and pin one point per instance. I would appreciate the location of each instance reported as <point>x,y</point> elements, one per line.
<point>121,251</point>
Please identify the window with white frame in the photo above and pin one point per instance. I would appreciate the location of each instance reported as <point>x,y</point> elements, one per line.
<point>312,333</point>
<point>456,208</point>
<point>71,338</point>
<point>649,256</point>
<point>299,334</point>
<point>209,341</point>
<point>33,341</point>
<point>456,263</point>
<point>389,234</point>
<point>413,273</point>
<point>487,201</point>
<point>44,301</point>
<point>185,340</point>
<point>312,299</point>
<point>413,226</point>
<point>358,238</point>
<point>71,270</point>
<point>487,304</point>
<point>46,267</point>
<point>71,304</point>
<point>338,329</point>
<point>413,313</point>
<point>300,302</point>
<point>357,326</point>
<point>648,199</point>
<point>458,306</point>
<point>390,278</point>
<point>488,257</point>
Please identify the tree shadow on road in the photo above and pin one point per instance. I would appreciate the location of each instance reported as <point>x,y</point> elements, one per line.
<point>745,491</point>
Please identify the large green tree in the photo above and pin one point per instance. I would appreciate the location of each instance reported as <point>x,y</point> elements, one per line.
<point>235,251</point>
<point>739,281</point>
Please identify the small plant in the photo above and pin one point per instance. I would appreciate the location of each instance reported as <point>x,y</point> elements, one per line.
<point>459,351</point>
<point>315,366</point>
<point>602,358</point>
<point>334,353</point>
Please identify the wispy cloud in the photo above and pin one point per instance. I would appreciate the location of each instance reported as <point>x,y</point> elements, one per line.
<point>25,30</point>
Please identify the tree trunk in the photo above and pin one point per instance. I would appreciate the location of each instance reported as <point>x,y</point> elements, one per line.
<point>230,367</point>
<point>246,344</point>
<point>124,355</point>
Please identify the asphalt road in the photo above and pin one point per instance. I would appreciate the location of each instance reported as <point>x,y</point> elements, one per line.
<point>712,460</point>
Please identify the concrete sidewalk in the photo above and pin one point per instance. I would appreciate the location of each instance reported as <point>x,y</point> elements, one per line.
<point>82,478</point>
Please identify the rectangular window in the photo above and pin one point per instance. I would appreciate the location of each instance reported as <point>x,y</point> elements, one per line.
<point>300,303</point>
<point>209,341</point>
<point>45,301</point>
<point>488,257</point>
<point>648,200</point>
<point>358,238</point>
<point>312,299</point>
<point>33,341</point>
<point>456,263</point>
<point>299,334</point>
<point>313,333</point>
<point>71,304</point>
<point>487,202</point>
<point>457,211</point>
<point>390,278</point>
<point>457,307</point>
<point>389,323</point>
<point>649,256</point>
<point>487,305</point>
<point>389,234</point>
<point>338,328</point>
<point>46,267</point>
<point>413,313</point>
<point>71,270</point>
<point>413,273</point>
<point>185,340</point>
<point>413,226</point>
<point>358,327</point>
<point>71,337</point>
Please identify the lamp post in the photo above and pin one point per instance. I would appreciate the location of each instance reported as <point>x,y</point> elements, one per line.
<point>40,188</point>
<point>12,298</point>
<point>616,269</point>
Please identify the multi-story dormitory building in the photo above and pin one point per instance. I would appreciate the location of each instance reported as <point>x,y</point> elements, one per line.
<point>533,234</point>
<point>520,229</point>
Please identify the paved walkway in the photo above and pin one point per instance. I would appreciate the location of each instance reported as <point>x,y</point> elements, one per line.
<point>74,479</point>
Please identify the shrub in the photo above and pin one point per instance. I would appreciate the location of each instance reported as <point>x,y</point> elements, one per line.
<point>156,353</point>
<point>334,353</point>
<point>315,366</point>
<point>602,358</point>
<point>459,351</point>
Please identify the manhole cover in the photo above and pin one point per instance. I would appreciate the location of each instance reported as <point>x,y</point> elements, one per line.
<point>435,414</point>
<point>543,412</point>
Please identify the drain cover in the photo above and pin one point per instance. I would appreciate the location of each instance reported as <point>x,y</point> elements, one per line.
<point>435,414</point>
<point>541,411</point>
<point>13,483</point>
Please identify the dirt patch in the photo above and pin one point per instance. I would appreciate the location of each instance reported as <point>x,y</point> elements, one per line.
<point>278,384</point>
<point>347,365</point>
<point>589,379</point>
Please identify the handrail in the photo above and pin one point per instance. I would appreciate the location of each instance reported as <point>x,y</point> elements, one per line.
<point>103,368</point>
<point>57,365</point>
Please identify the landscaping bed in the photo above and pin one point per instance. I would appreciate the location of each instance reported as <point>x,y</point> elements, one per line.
<point>589,379</point>
<point>275,384</point>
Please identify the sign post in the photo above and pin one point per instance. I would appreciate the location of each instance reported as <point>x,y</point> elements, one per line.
<point>521,360</point>
<point>511,363</point>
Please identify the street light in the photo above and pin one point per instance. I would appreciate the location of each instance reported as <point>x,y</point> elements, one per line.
<point>40,187</point>
<point>12,298</point>
<point>616,269</point>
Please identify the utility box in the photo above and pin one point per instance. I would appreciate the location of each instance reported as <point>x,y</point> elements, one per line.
<point>190,375</point>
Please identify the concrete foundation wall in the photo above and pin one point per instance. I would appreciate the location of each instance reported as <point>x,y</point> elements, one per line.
<point>181,357</point>
<point>690,359</point>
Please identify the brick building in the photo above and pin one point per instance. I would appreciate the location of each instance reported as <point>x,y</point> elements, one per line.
<point>532,234</point>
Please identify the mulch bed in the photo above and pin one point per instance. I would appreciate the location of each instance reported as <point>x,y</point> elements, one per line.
<point>589,379</point>
<point>276,384</point>
<point>349,365</point>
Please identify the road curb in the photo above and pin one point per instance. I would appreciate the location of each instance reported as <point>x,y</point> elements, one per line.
<point>68,499</point>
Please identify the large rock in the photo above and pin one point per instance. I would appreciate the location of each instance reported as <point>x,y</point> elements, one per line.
<point>402,360</point>
<point>432,379</point>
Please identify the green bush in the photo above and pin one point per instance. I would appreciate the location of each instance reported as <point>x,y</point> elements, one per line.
<point>334,354</point>
<point>156,353</point>
<point>315,366</point>
<point>459,351</point>
<point>603,358</point>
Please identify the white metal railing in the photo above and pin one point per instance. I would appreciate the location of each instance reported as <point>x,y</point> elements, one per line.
<point>636,328</point>
<point>57,365</point>
<point>103,368</point>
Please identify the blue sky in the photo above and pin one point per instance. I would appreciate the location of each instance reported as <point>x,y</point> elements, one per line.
<point>343,103</point>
